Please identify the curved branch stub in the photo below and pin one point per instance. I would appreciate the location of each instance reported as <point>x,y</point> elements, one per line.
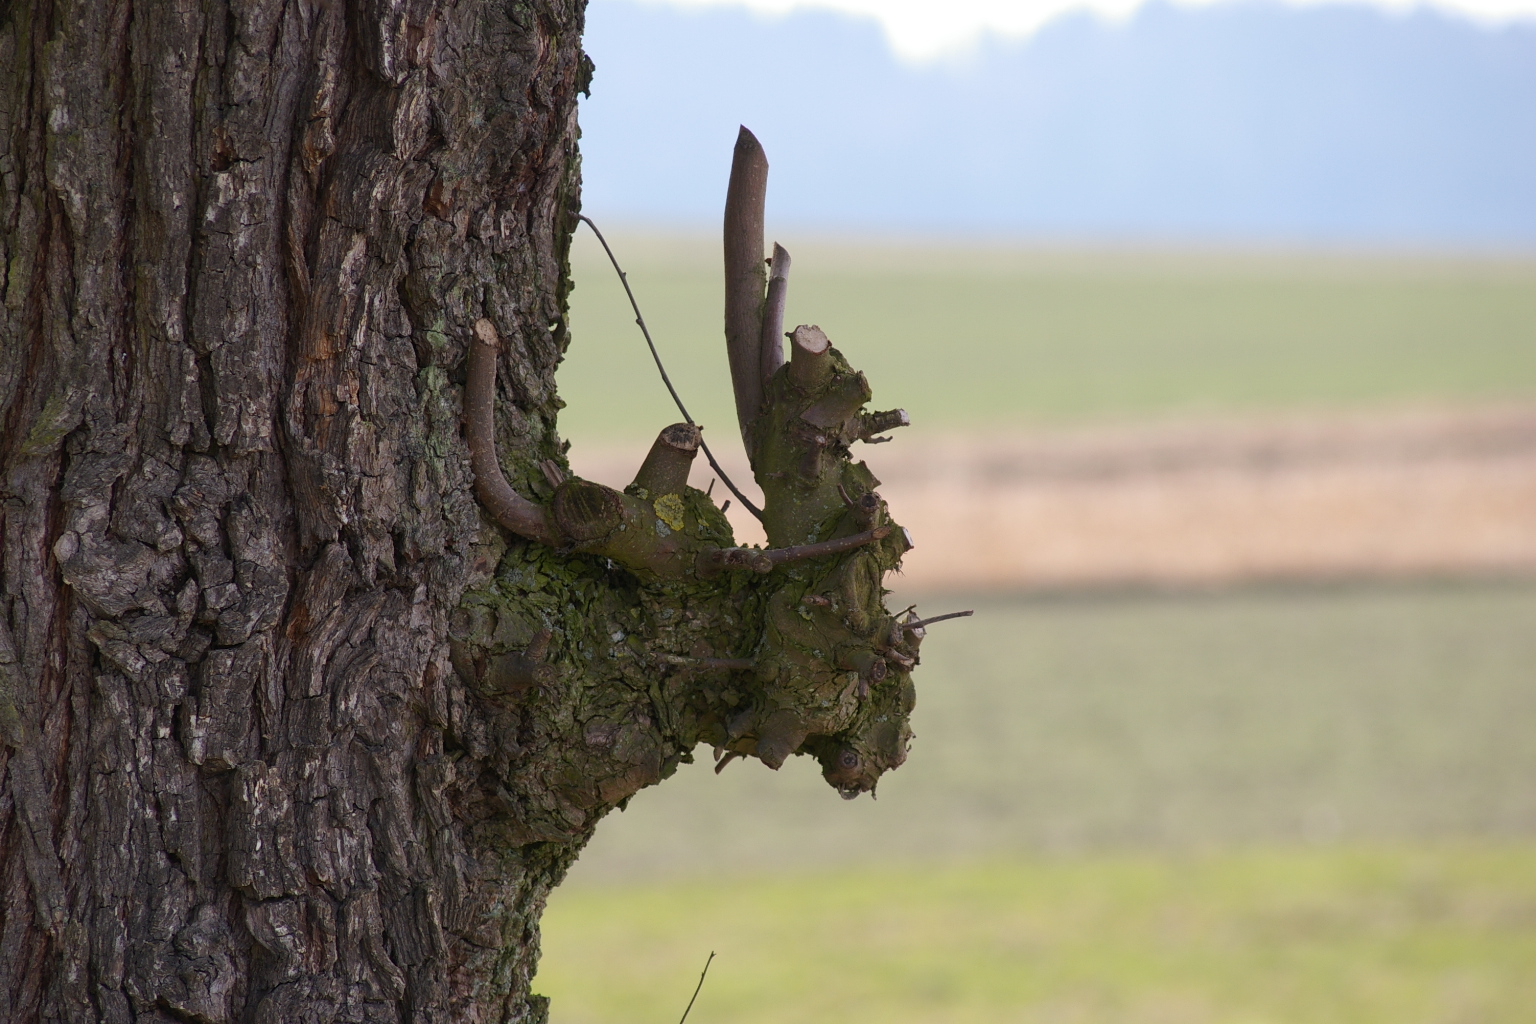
<point>505,505</point>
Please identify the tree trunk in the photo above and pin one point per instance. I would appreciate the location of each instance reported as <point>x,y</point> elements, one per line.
<point>294,729</point>
<point>244,242</point>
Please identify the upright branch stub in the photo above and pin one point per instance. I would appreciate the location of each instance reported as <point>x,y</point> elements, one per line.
<point>810,357</point>
<point>745,275</point>
<point>666,466</point>
<point>773,314</point>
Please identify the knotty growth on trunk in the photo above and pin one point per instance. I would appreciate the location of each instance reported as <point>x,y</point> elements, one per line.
<point>292,728</point>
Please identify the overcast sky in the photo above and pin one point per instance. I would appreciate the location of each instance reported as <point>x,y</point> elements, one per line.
<point>920,29</point>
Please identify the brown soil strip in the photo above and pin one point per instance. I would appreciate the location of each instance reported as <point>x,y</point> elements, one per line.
<point>1202,503</point>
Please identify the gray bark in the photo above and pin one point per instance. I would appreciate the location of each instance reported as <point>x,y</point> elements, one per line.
<point>244,242</point>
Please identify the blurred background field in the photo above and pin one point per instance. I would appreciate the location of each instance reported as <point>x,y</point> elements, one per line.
<point>1342,935</point>
<point>1295,801</point>
<point>1080,723</point>
<point>1217,326</point>
<point>988,335</point>
<point>1266,805</point>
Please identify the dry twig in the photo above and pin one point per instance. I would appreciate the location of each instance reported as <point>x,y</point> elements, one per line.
<point>699,986</point>
<point>676,398</point>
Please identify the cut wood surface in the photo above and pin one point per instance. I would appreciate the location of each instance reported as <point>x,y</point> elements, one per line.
<point>1203,503</point>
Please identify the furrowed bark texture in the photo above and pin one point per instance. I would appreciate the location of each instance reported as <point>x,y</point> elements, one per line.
<point>244,244</point>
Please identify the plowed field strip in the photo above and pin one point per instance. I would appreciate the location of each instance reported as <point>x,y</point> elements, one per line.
<point>1201,503</point>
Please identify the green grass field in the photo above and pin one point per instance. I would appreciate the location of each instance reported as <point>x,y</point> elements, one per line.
<point>1281,806</point>
<point>968,337</point>
<point>1342,936</point>
<point>1241,806</point>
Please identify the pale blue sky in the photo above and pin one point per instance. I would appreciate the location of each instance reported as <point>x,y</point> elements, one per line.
<point>1244,119</point>
<point>919,29</point>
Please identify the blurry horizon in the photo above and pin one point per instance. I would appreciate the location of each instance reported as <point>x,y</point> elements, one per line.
<point>1248,123</point>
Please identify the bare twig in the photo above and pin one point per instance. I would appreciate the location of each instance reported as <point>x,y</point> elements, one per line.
<point>505,505</point>
<point>920,623</point>
<point>745,277</point>
<point>713,561</point>
<point>772,343</point>
<point>799,552</point>
<point>640,320</point>
<point>700,985</point>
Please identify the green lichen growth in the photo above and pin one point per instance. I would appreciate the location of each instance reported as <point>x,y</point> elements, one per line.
<point>58,417</point>
<point>669,509</point>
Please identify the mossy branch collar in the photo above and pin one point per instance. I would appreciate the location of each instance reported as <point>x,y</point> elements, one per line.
<point>761,652</point>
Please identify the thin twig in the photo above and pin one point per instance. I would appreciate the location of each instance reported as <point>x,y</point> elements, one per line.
<point>698,986</point>
<point>713,561</point>
<point>640,320</point>
<point>937,618</point>
<point>800,552</point>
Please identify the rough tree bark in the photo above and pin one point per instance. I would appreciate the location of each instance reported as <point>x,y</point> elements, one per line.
<point>244,242</point>
<point>290,728</point>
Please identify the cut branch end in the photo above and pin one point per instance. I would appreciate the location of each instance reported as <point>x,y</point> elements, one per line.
<point>810,356</point>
